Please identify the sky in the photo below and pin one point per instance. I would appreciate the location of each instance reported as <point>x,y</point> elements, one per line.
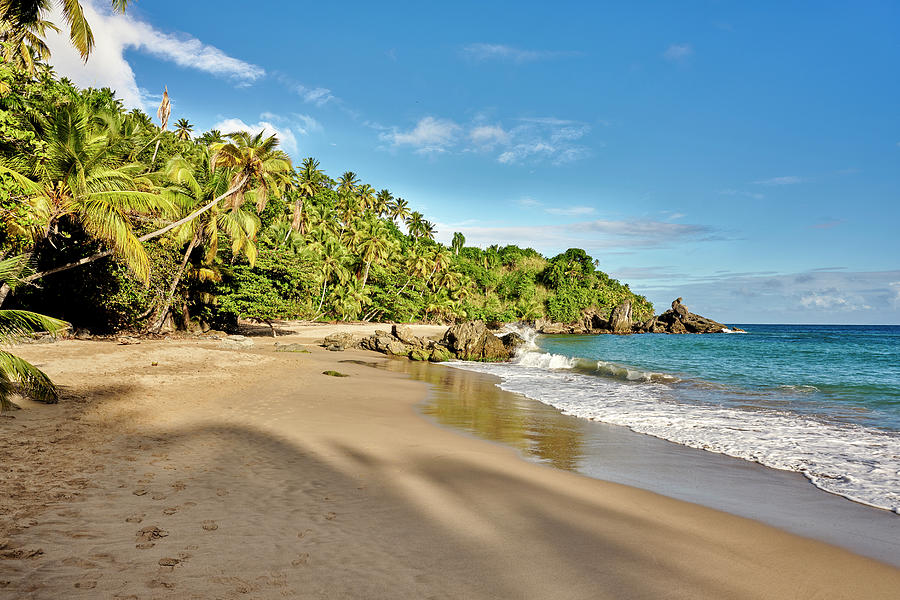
<point>743,156</point>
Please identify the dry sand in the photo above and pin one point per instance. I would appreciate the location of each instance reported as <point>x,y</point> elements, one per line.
<point>249,474</point>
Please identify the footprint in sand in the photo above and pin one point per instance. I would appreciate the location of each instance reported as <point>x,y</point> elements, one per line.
<point>158,583</point>
<point>301,559</point>
<point>140,492</point>
<point>148,535</point>
<point>303,533</point>
<point>331,516</point>
<point>178,486</point>
<point>209,525</point>
<point>170,511</point>
<point>221,492</point>
<point>86,585</point>
<point>168,562</point>
<point>135,518</point>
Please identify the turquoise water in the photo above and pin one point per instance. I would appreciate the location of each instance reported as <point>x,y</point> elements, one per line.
<point>821,400</point>
<point>844,373</point>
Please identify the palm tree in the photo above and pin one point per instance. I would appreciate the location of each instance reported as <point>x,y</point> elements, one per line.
<point>366,195</point>
<point>17,374</point>
<point>415,224</point>
<point>459,240</point>
<point>81,179</point>
<point>255,160</point>
<point>310,180</point>
<point>193,185</point>
<point>213,136</point>
<point>24,13</point>
<point>348,183</point>
<point>399,209</point>
<point>383,201</point>
<point>183,129</point>
<point>250,160</point>
<point>375,247</point>
<point>23,45</point>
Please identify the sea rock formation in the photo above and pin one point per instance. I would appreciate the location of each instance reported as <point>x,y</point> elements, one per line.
<point>679,319</point>
<point>620,318</point>
<point>473,341</point>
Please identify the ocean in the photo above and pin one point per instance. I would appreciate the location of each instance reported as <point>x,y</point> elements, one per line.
<point>821,400</point>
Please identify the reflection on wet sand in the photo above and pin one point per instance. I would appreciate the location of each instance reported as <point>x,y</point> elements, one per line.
<point>472,402</point>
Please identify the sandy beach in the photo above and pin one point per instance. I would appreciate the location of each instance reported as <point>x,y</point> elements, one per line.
<point>182,469</point>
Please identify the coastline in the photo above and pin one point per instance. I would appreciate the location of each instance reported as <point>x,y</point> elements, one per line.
<point>264,476</point>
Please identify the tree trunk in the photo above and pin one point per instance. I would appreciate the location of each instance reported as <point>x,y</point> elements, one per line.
<point>322,299</point>
<point>161,319</point>
<point>4,290</point>
<point>143,238</point>
<point>155,150</point>
<point>366,274</point>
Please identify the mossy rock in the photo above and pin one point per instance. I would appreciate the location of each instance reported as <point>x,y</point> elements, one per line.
<point>440,354</point>
<point>419,354</point>
<point>334,374</point>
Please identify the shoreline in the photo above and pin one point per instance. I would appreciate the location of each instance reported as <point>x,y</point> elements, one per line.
<point>783,499</point>
<point>226,472</point>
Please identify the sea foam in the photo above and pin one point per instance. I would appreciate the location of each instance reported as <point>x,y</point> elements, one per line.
<point>857,462</point>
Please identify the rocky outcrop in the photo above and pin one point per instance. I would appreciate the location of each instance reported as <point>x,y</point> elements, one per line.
<point>339,341</point>
<point>620,318</point>
<point>512,341</point>
<point>473,341</point>
<point>679,319</point>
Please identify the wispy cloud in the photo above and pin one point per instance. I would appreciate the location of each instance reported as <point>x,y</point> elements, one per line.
<point>783,180</point>
<point>678,52</point>
<point>529,140</point>
<point>828,223</point>
<point>114,34</point>
<point>571,211</point>
<point>501,52</point>
<point>743,193</point>
<point>430,135</point>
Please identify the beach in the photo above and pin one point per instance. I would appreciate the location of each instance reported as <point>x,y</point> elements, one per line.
<point>183,469</point>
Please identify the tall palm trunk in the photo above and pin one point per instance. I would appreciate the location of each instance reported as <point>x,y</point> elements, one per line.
<point>164,312</point>
<point>321,299</point>
<point>366,274</point>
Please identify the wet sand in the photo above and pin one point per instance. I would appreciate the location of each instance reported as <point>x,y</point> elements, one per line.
<point>247,473</point>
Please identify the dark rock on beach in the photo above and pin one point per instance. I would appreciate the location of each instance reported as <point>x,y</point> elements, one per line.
<point>679,319</point>
<point>473,341</point>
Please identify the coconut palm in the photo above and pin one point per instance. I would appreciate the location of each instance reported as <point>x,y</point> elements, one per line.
<point>415,224</point>
<point>375,247</point>
<point>23,45</point>
<point>24,13</point>
<point>383,201</point>
<point>81,179</point>
<point>310,180</point>
<point>256,161</point>
<point>194,184</point>
<point>459,240</point>
<point>348,183</point>
<point>16,374</point>
<point>183,129</point>
<point>366,195</point>
<point>399,209</point>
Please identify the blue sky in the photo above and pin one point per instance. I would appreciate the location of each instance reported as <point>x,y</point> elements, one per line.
<point>745,156</point>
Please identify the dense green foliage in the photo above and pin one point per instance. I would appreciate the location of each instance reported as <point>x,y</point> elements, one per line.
<point>254,237</point>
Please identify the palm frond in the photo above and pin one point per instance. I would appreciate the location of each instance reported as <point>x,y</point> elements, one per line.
<point>32,381</point>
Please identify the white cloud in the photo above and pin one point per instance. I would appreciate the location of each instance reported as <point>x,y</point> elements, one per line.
<point>284,134</point>
<point>488,135</point>
<point>114,34</point>
<point>678,52</point>
<point>501,52</point>
<point>430,135</point>
<point>571,211</point>
<point>784,180</point>
<point>529,140</point>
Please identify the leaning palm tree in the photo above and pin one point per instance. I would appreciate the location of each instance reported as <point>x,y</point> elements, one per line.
<point>415,224</point>
<point>16,374</point>
<point>81,179</point>
<point>193,184</point>
<point>383,202</point>
<point>183,129</point>
<point>24,13</point>
<point>375,247</point>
